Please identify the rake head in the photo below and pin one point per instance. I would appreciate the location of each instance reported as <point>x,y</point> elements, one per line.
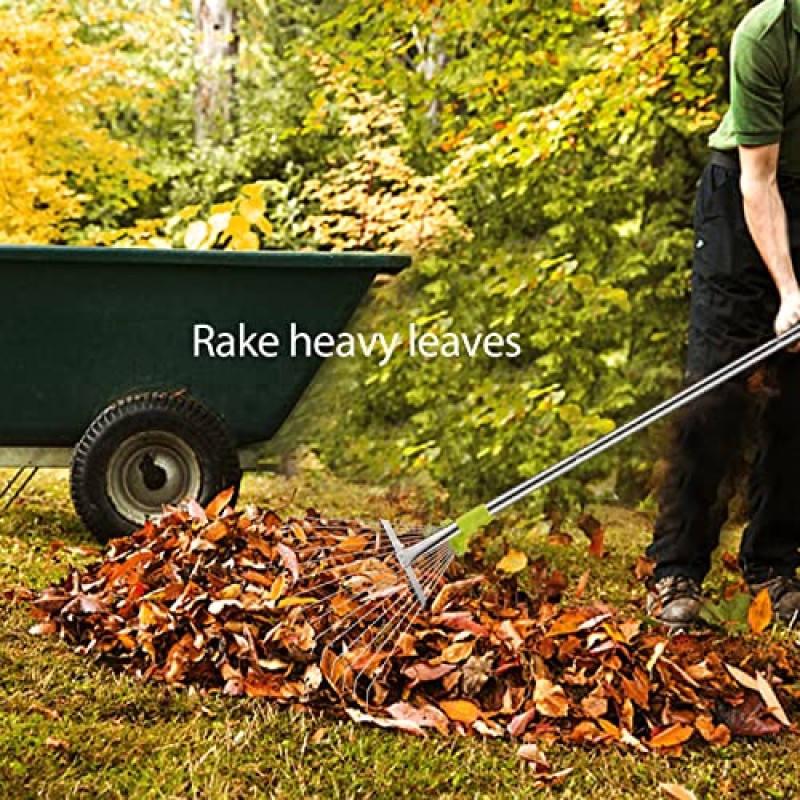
<point>416,560</point>
<point>373,599</point>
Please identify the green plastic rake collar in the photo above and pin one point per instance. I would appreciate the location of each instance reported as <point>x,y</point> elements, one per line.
<point>468,523</point>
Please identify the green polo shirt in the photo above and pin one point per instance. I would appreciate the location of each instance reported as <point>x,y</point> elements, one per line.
<point>765,83</point>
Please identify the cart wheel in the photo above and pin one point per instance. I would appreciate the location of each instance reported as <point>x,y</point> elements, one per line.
<point>147,450</point>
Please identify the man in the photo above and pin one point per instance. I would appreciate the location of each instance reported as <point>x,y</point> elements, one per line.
<point>744,289</point>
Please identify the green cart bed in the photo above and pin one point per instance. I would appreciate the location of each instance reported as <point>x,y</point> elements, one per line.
<point>109,366</point>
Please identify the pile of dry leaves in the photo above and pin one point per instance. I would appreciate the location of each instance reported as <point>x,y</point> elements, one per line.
<point>251,604</point>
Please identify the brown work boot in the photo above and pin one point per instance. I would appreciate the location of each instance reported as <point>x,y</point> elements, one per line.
<point>784,593</point>
<point>675,600</point>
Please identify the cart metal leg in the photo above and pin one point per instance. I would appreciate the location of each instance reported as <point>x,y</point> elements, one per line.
<point>17,485</point>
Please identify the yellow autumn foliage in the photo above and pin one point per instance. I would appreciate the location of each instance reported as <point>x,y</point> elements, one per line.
<point>374,199</point>
<point>233,225</point>
<point>54,156</point>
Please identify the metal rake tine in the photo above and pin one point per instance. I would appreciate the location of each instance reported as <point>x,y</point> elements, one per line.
<point>441,566</point>
<point>375,644</point>
<point>358,613</point>
<point>339,657</point>
<point>351,573</point>
<point>344,561</point>
<point>410,616</point>
<point>339,562</point>
<point>317,617</point>
<point>437,568</point>
<point>438,559</point>
<point>378,552</point>
<point>381,637</point>
<point>430,561</point>
<point>327,599</point>
<point>363,593</point>
<point>358,621</point>
<point>358,610</point>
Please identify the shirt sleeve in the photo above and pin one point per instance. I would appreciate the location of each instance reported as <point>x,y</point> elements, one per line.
<point>756,91</point>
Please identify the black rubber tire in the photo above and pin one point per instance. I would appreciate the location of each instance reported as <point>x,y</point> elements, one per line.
<point>179,415</point>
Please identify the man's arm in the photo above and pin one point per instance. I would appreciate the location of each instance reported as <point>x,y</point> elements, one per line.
<point>766,219</point>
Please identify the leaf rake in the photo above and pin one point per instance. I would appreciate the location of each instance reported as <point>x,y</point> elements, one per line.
<point>452,538</point>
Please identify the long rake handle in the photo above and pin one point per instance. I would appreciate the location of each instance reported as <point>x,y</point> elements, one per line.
<point>480,515</point>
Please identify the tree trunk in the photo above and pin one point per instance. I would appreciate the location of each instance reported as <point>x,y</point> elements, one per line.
<point>215,48</point>
<point>432,59</point>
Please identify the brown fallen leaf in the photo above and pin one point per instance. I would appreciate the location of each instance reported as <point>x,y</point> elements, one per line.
<point>508,632</point>
<point>513,561</point>
<point>406,644</point>
<point>671,736</point>
<point>485,727</point>
<point>676,791</point>
<point>583,582</point>
<point>386,722</point>
<point>594,704</point>
<point>586,732</point>
<point>759,615</point>
<point>219,503</point>
<point>458,651</point>
<point>83,604</point>
<point>449,592</point>
<point>422,671</point>
<point>566,623</point>
<point>55,743</point>
<point>196,511</point>
<point>47,628</point>
<point>520,722</point>
<point>643,568</point>
<point>595,532</point>
<point>771,701</point>
<point>460,710</point>
<point>550,699</point>
<point>533,754</point>
<point>426,716</point>
<point>460,621</point>
<point>717,735</point>
<point>215,531</point>
<point>761,685</point>
<point>750,718</point>
<point>700,672</point>
<point>289,560</point>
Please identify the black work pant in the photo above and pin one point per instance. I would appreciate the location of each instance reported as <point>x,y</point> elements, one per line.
<point>733,307</point>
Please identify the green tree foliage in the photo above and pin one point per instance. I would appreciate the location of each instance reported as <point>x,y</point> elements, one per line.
<point>571,140</point>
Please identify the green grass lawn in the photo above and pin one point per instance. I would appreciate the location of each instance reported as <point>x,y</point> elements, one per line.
<point>70,727</point>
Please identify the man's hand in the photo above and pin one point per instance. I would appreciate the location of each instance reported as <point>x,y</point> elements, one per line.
<point>788,316</point>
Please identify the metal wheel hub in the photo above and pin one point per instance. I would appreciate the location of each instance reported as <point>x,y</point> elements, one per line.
<point>148,470</point>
